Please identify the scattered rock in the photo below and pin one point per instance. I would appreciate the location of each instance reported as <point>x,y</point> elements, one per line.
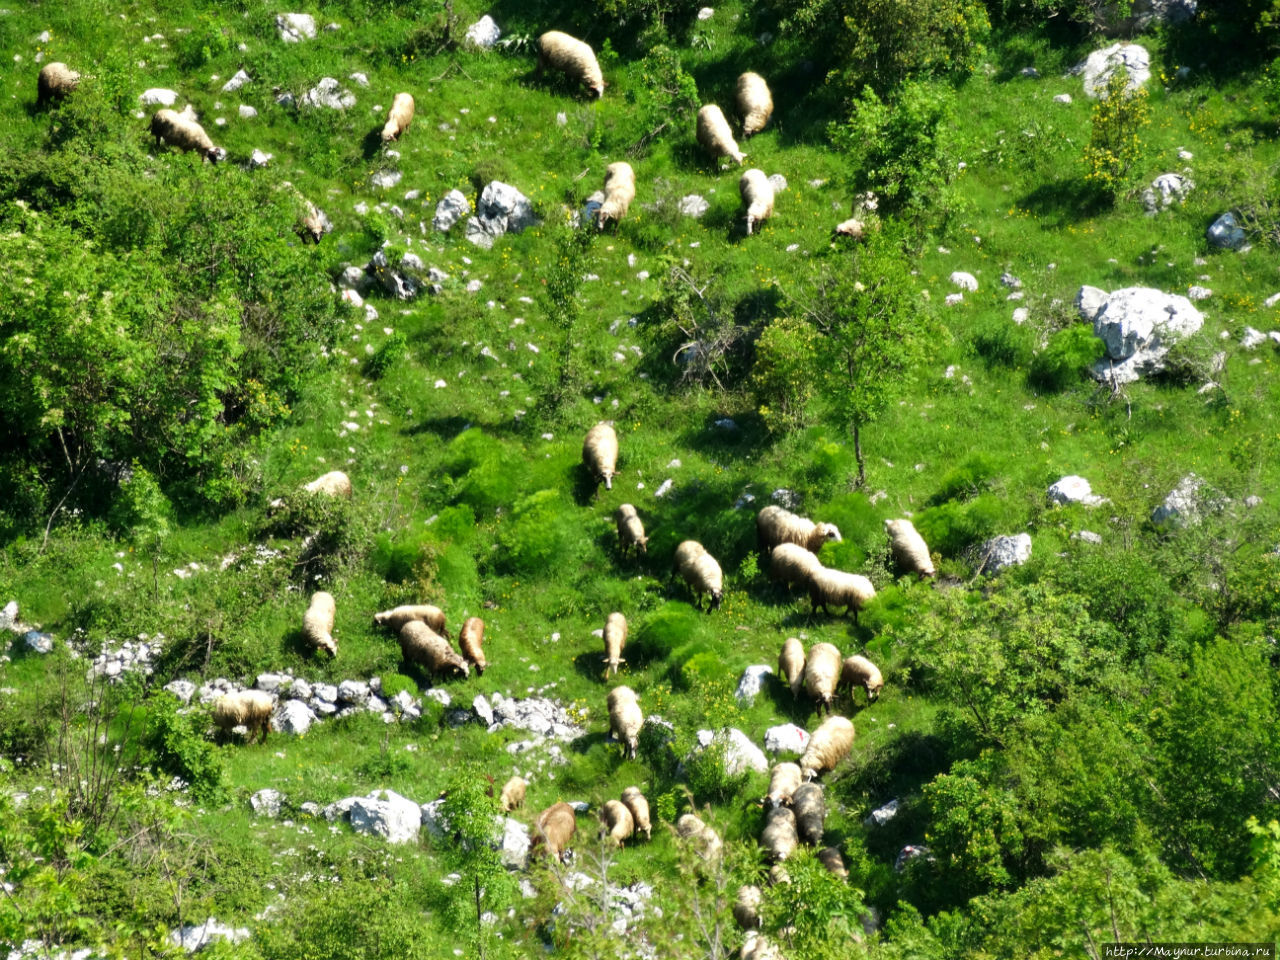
<point>1010,281</point>
<point>1031,72</point>
<point>484,33</point>
<point>258,159</point>
<point>199,935</point>
<point>1251,339</point>
<point>751,682</point>
<point>1062,98</point>
<point>329,93</point>
<point>965,281</point>
<point>266,803</point>
<point>452,207</point>
<point>778,182</point>
<point>38,642</point>
<point>385,179</point>
<point>693,206</point>
<point>1226,233</point>
<point>909,853</point>
<point>184,690</point>
<point>158,97</point>
<point>502,209</point>
<point>359,79</point>
<point>394,282</point>
<point>296,27</point>
<point>482,709</point>
<point>293,717</point>
<point>1186,504</point>
<point>236,82</point>
<point>882,815</point>
<point>9,615</point>
<point>1197,292</point>
<point>1138,325</point>
<point>536,715</point>
<point>247,112</point>
<point>706,13</point>
<point>515,844</point>
<point>1101,64</point>
<point>1087,536</point>
<point>786,738</point>
<point>740,754</point>
<point>1166,190</point>
<point>386,814</point>
<point>1020,315</point>
<point>1074,489</point>
<point>1001,552</point>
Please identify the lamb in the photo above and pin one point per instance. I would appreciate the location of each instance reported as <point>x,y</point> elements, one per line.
<point>615,638</point>
<point>706,841</point>
<point>775,526</point>
<point>470,639</point>
<point>810,807</point>
<point>55,82</point>
<point>791,664</point>
<point>779,838</point>
<point>630,530</point>
<point>397,617</point>
<point>512,796</point>
<point>335,484</point>
<point>700,570</point>
<point>746,907</point>
<point>421,645</point>
<point>755,103</point>
<point>399,117</point>
<point>639,807</point>
<point>554,828</point>
<point>250,709</point>
<point>829,744</point>
<point>792,564</point>
<point>600,454</point>
<point>714,135</point>
<point>619,191</point>
<point>822,670</point>
<point>182,131</point>
<point>625,719</point>
<point>759,947</point>
<point>575,59</point>
<point>909,550</point>
<point>616,821</point>
<point>757,197</point>
<point>778,874</point>
<point>830,858</point>
<point>859,671</point>
<point>783,780</point>
<point>835,588</point>
<point>317,622</point>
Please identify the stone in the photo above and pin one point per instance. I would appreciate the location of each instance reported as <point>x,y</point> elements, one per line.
<point>300,690</point>
<point>452,207</point>
<point>1031,72</point>
<point>359,79</point>
<point>1020,315</point>
<point>1166,190</point>
<point>247,112</point>
<point>778,182</point>
<point>158,97</point>
<point>1087,536</point>
<point>882,815</point>
<point>352,278</point>
<point>329,93</point>
<point>482,709</point>
<point>484,33</point>
<point>908,853</point>
<point>751,682</point>
<point>285,99</point>
<point>1089,300</point>
<point>271,682</point>
<point>536,715</point>
<point>385,179</point>
<point>1140,15</point>
<point>740,754</point>
<point>1225,233</point>
<point>293,717</point>
<point>1009,280</point>
<point>1251,339</point>
<point>965,281</point>
<point>439,696</point>
<point>236,82</point>
<point>296,27</point>
<point>1062,98</point>
<point>354,691</point>
<point>501,209</point>
<point>432,817</point>
<point>393,282</point>
<point>1197,292</point>
<point>197,936</point>
<point>1138,325</point>
<point>386,814</point>
<point>590,206</point>
<point>515,844</point>
<point>1186,504</point>
<point>706,13</point>
<point>1101,64</point>
<point>9,615</point>
<point>184,690</point>
<point>1001,552</point>
<point>325,692</point>
<point>786,738</point>
<point>266,803</point>
<point>38,642</point>
<point>1074,489</point>
<point>693,206</point>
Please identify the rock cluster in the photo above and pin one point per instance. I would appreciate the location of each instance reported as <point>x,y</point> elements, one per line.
<point>1138,325</point>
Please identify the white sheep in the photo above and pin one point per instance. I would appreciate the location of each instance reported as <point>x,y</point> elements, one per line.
<point>512,796</point>
<point>791,664</point>
<point>56,81</point>
<point>706,842</point>
<point>759,947</point>
<point>399,117</point>
<point>779,838</point>
<point>317,623</point>
<point>182,131</point>
<point>397,617</point>
<point>616,821</point>
<point>746,907</point>
<point>701,572</point>
<point>809,804</point>
<point>829,744</point>
<point>783,780</point>
<point>755,103</point>
<point>757,197</point>
<point>625,719</point>
<point>859,671</point>
<point>909,550</point>
<point>615,639</point>
<point>630,530</point>
<point>470,642</point>
<point>778,875</point>
<point>822,673</point>
<point>250,709</point>
<point>573,58</point>
<point>776,526</point>
<point>639,807</point>
<point>335,484</point>
<point>554,828</point>
<point>421,645</point>
<point>836,588</point>
<point>792,564</point>
<point>619,191</point>
<point>600,454</point>
<point>715,136</point>
<point>830,858</point>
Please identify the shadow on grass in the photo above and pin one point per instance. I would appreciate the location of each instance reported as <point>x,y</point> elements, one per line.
<point>1066,201</point>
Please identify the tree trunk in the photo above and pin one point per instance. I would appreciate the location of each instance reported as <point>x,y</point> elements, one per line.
<point>857,452</point>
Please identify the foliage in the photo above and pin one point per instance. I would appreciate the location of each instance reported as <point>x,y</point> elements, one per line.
<point>562,305</point>
<point>709,779</point>
<point>542,537</point>
<point>1115,145</point>
<point>817,914</point>
<point>782,373</point>
<point>176,744</point>
<point>371,920</point>
<point>973,829</point>
<point>1065,359</point>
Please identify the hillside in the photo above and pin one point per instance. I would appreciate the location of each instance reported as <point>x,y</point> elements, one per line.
<point>1078,736</point>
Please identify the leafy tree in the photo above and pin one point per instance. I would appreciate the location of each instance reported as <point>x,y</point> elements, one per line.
<point>1119,116</point>
<point>786,354</point>
<point>973,829</point>
<point>816,914</point>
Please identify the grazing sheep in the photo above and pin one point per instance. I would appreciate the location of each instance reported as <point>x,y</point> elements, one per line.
<point>909,550</point>
<point>56,81</point>
<point>778,874</point>
<point>554,828</point>
<point>512,796</point>
<point>335,483</point>
<point>829,744</point>
<point>791,664</point>
<point>639,807</point>
<point>421,645</point>
<point>759,947</point>
<point>859,671</point>
<point>317,622</point>
<point>835,588</point>
<point>706,842</point>
<point>625,719</point>
<point>615,638</point>
<point>182,131</point>
<point>701,572</point>
<point>755,103</point>
<point>397,617</point>
<point>775,526</point>
<point>250,709</point>
<point>757,197</point>
<point>830,858</point>
<point>783,780</point>
<point>779,838</point>
<point>822,670</point>
<point>630,530</point>
<point>600,454</point>
<point>399,118</point>
<point>619,191</point>
<point>792,564</point>
<point>715,136</point>
<point>573,58</point>
<point>810,807</point>
<point>616,821</point>
<point>470,639</point>
<point>746,907</point>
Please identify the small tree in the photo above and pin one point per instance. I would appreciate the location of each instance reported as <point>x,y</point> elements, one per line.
<point>1114,144</point>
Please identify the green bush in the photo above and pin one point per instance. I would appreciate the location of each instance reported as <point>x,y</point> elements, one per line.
<point>971,477</point>
<point>1066,359</point>
<point>394,348</point>
<point>1002,344</point>
<point>176,744</point>
<point>543,537</point>
<point>667,629</point>
<point>949,528</point>
<point>486,474</point>
<point>782,375</point>
<point>207,41</point>
<point>707,777</point>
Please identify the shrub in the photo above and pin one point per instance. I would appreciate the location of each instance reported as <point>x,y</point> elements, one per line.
<point>1002,344</point>
<point>951,527</point>
<point>394,348</point>
<point>176,744</point>
<point>782,374</point>
<point>487,477</point>
<point>543,536</point>
<point>1119,116</point>
<point>671,626</point>
<point>707,777</point>
<point>969,478</point>
<point>1069,354</point>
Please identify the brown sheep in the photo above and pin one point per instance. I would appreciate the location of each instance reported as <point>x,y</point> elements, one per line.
<point>616,821</point>
<point>397,617</point>
<point>250,709</point>
<point>470,639</point>
<point>399,118</point>
<point>835,588</point>
<point>810,807</point>
<point>554,828</point>
<point>512,796</point>
<point>831,859</point>
<point>639,807</point>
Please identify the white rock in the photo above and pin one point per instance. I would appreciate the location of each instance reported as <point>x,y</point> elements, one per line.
<point>882,815</point>
<point>1087,536</point>
<point>1101,64</point>
<point>236,82</point>
<point>1197,292</point>
<point>1251,338</point>
<point>1002,552</point>
<point>965,281</point>
<point>258,159</point>
<point>740,754</point>
<point>1165,190</point>
<point>199,935</point>
<point>296,27</point>
<point>266,803</point>
<point>1073,489</point>
<point>501,209</point>
<point>293,717</point>
<point>385,179</point>
<point>329,93</point>
<point>354,691</point>
<point>786,738</point>
<point>38,642</point>
<point>482,709</point>
<point>9,615</point>
<point>451,208</point>
<point>751,682</point>
<point>1062,98</point>
<point>386,814</point>
<point>515,844</point>
<point>693,206</point>
<point>158,97</point>
<point>1184,504</point>
<point>184,690</point>
<point>1138,325</point>
<point>1020,315</point>
<point>778,182</point>
<point>706,13</point>
<point>247,112</point>
<point>952,299</point>
<point>484,33</point>
<point>359,79</point>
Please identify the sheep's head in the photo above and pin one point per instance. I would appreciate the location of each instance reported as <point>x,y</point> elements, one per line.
<point>830,532</point>
<point>643,545</point>
<point>739,156</point>
<point>716,596</point>
<point>216,154</point>
<point>873,689</point>
<point>598,89</point>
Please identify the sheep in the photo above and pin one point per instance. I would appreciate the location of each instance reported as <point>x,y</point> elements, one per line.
<point>630,530</point>
<point>822,669</point>
<point>779,838</point>
<point>791,664</point>
<point>616,821</point>
<point>909,550</point>
<point>759,947</point>
<point>625,719</point>
<point>746,907</point>
<point>835,588</point>
<point>615,638</point>
<point>755,103</point>
<point>512,796</point>
<point>783,780</point>
<point>792,564</point>
<point>619,191</point>
<point>701,572</point>
<point>706,841</point>
<point>810,807</point>
<point>573,58</point>
<point>715,137</point>
<point>312,223</point>
<point>757,197</point>
<point>250,709</point>
<point>639,807</point>
<point>335,484</point>
<point>778,874</point>
<point>470,638</point>
<point>554,828</point>
<point>56,81</point>
<point>182,131</point>
<point>421,645</point>
<point>830,858</point>
<point>397,617</point>
<point>399,117</point>
<point>600,454</point>
<point>775,526</point>
<point>317,622</point>
<point>829,744</point>
<point>859,671</point>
